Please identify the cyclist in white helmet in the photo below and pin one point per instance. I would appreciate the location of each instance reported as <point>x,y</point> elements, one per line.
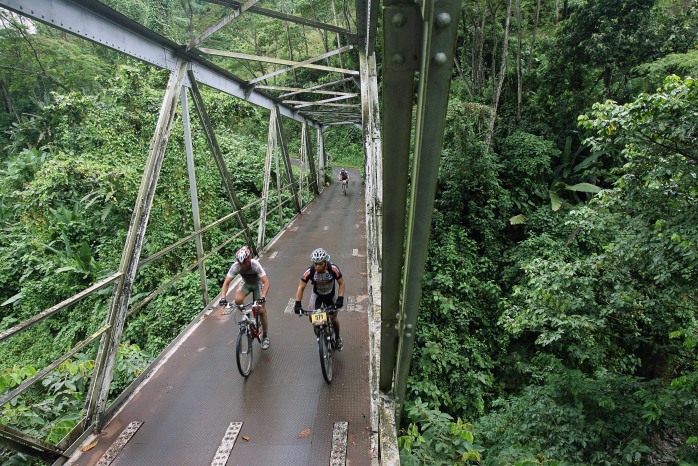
<point>322,274</point>
<point>254,280</point>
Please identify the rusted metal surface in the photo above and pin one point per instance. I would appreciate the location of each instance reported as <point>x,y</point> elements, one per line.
<point>287,411</point>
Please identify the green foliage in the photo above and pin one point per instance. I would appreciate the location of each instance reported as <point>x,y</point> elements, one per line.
<point>569,416</point>
<point>433,437</point>
<point>50,409</point>
<point>344,145</point>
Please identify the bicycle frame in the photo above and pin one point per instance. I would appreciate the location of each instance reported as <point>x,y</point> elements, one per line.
<point>250,329</point>
<point>251,322</point>
<point>324,331</point>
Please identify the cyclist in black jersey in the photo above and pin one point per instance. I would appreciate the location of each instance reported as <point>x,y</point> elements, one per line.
<point>322,274</point>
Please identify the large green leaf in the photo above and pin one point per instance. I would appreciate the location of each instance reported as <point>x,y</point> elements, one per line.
<point>555,201</point>
<point>518,219</point>
<point>584,188</point>
<point>16,297</point>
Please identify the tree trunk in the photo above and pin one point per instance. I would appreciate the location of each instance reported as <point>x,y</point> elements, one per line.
<point>495,44</point>
<point>502,74</point>
<point>477,65</point>
<point>519,85</point>
<point>533,38</point>
<point>7,98</point>
<point>257,49</point>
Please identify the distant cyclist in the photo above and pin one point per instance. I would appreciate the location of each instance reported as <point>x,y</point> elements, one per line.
<point>344,175</point>
<point>254,280</point>
<point>322,274</point>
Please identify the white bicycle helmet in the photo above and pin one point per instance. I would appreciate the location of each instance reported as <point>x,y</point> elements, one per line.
<point>242,254</point>
<point>319,255</point>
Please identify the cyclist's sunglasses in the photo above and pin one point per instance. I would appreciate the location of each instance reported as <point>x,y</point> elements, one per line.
<point>319,263</point>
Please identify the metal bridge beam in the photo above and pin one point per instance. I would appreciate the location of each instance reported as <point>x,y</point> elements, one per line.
<point>106,357</point>
<point>220,163</point>
<point>439,28</point>
<point>98,23</point>
<point>415,39</point>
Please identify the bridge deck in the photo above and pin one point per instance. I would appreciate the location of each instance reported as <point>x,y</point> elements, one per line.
<point>286,409</point>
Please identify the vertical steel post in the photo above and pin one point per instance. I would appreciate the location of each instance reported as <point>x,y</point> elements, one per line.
<point>287,161</point>
<point>194,193</point>
<point>279,179</point>
<point>440,28</point>
<point>220,163</point>
<point>271,145</point>
<point>106,356</point>
<point>303,154</point>
<point>312,178</point>
<point>322,161</point>
<point>402,37</point>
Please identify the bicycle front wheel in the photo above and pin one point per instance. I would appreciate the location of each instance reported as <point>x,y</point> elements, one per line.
<point>325,356</point>
<point>243,352</point>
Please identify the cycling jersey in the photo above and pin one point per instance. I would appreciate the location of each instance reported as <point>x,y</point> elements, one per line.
<point>344,175</point>
<point>323,282</point>
<point>249,276</point>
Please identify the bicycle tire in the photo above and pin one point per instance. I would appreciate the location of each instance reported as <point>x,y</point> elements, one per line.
<point>244,352</point>
<point>344,188</point>
<point>325,356</point>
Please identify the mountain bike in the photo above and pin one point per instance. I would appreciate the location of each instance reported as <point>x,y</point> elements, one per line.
<point>324,331</point>
<point>250,325</point>
<point>345,183</point>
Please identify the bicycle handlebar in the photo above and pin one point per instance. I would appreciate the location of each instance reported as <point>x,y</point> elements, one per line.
<point>242,307</point>
<point>331,310</point>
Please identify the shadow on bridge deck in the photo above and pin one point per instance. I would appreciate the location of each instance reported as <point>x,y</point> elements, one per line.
<point>286,409</point>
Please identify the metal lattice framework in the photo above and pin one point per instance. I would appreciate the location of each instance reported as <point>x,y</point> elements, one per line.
<point>418,41</point>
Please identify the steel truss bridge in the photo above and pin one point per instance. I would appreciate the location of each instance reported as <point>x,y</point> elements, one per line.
<point>402,131</point>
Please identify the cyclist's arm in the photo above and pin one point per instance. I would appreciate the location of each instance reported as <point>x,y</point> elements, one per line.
<point>340,281</point>
<point>300,290</point>
<point>224,288</point>
<point>265,285</point>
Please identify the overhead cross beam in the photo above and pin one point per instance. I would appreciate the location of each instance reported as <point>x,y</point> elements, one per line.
<point>290,18</point>
<point>304,63</point>
<point>98,23</point>
<point>227,19</point>
<point>279,61</point>
<point>314,88</point>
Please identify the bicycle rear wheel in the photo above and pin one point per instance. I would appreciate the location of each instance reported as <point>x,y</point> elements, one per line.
<point>243,352</point>
<point>325,356</point>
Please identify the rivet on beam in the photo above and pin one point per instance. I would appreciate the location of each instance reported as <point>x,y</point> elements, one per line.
<point>443,20</point>
<point>399,20</point>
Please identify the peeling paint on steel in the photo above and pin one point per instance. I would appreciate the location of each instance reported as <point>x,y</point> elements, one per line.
<point>339,444</point>
<point>223,452</point>
<point>119,443</point>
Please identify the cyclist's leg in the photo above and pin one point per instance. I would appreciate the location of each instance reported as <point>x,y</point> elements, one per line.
<point>335,324</point>
<point>256,294</point>
<point>241,292</point>
<point>312,302</point>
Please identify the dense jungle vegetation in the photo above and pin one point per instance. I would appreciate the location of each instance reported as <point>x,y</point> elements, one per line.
<point>558,318</point>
